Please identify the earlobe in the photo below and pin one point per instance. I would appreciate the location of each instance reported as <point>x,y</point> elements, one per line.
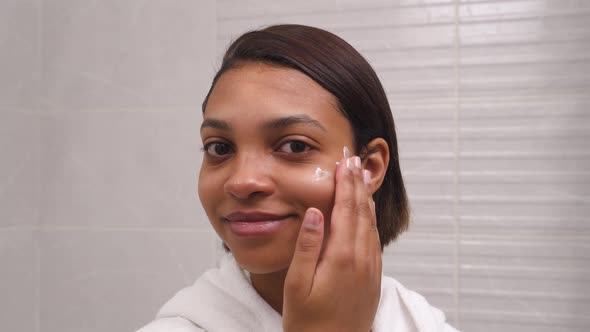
<point>376,160</point>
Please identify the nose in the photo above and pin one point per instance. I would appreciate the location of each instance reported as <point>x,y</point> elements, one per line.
<point>250,178</point>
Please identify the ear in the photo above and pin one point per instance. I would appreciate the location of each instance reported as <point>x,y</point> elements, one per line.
<point>375,158</point>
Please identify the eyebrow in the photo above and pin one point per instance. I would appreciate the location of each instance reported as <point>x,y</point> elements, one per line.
<point>215,124</point>
<point>287,121</point>
<point>274,124</point>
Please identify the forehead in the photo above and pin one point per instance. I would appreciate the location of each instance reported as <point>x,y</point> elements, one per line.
<point>261,90</point>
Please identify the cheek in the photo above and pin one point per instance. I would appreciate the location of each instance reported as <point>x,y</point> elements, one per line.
<point>207,190</point>
<point>310,190</point>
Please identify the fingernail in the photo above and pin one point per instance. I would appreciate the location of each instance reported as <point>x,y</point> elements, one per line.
<point>349,163</point>
<point>346,152</point>
<point>366,176</point>
<point>311,220</point>
<point>357,161</point>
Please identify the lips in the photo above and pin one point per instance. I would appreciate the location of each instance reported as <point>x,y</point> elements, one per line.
<point>254,216</point>
<point>255,223</point>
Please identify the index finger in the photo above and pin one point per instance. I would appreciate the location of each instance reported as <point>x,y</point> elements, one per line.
<point>347,210</point>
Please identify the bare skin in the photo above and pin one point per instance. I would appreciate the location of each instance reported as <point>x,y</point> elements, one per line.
<point>266,129</point>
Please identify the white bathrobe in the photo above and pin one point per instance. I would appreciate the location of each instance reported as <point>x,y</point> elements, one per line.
<point>224,300</point>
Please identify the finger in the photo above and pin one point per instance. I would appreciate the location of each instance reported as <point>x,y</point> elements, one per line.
<point>366,218</point>
<point>343,220</point>
<point>300,275</point>
<point>376,242</point>
<point>367,180</point>
<point>378,260</point>
<point>368,231</point>
<point>368,253</point>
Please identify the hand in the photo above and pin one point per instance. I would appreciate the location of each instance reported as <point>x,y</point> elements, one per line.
<point>340,290</point>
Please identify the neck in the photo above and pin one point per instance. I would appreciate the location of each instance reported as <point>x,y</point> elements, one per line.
<point>270,288</point>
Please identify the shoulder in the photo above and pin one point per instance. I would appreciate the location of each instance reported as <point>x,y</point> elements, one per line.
<point>418,311</point>
<point>170,324</point>
<point>411,299</point>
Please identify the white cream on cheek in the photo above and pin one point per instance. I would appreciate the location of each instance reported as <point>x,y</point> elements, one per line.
<point>320,175</point>
<point>310,186</point>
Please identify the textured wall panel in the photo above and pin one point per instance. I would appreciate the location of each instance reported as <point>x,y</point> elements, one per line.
<point>491,105</point>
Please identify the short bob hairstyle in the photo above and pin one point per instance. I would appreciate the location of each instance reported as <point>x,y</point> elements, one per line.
<point>340,69</point>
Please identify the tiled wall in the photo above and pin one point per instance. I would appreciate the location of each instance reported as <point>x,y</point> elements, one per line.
<point>99,102</point>
<point>492,105</point>
<point>100,220</point>
<point>19,165</point>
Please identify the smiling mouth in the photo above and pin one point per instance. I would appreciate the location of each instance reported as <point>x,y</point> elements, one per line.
<point>255,224</point>
<point>254,216</point>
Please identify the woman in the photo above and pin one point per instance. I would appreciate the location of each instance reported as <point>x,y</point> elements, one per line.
<point>301,180</point>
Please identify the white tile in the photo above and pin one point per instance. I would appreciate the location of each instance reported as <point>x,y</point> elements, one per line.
<point>538,303</point>
<point>548,191</point>
<point>367,38</point>
<point>471,11</point>
<point>433,205</point>
<point>536,29</point>
<point>412,10</point>
<point>420,250</point>
<point>423,141</point>
<point>423,278</point>
<point>19,288</point>
<point>424,263</point>
<point>423,223</point>
<point>524,206</point>
<point>94,281</point>
<point>347,17</point>
<point>418,36</point>
<point>19,59</point>
<point>523,53</point>
<point>525,225</point>
<point>423,114</point>
<point>560,142</point>
<point>413,163</point>
<point>533,119</point>
<point>394,57</point>
<point>517,280</point>
<point>485,284</point>
<point>127,54</point>
<point>523,76</point>
<point>122,169</point>
<point>549,253</point>
<point>434,79</point>
<point>443,190</point>
<point>500,161</point>
<point>19,166</point>
<point>514,321</point>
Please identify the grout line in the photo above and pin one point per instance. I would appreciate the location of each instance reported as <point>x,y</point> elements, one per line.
<point>37,309</point>
<point>39,60</point>
<point>70,228</point>
<point>456,272</point>
<point>39,112</point>
<point>140,110</point>
<point>215,65</point>
<point>19,228</point>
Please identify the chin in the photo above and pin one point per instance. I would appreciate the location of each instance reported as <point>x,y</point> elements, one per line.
<point>263,263</point>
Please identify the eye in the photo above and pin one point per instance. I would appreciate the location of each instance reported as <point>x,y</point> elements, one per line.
<point>294,147</point>
<point>217,148</point>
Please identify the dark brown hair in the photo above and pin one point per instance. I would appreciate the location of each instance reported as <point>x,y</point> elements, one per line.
<point>341,70</point>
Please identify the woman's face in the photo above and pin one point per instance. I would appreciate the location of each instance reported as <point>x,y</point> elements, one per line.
<point>266,130</point>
